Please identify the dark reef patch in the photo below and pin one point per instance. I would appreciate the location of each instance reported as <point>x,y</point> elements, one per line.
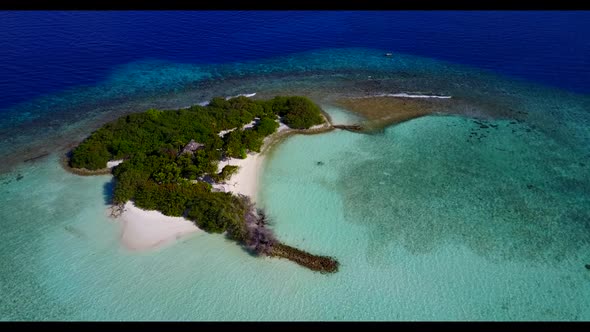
<point>36,157</point>
<point>495,205</point>
<point>323,264</point>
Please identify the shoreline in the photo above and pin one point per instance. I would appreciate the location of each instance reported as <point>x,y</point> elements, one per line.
<point>246,180</point>
<point>143,230</point>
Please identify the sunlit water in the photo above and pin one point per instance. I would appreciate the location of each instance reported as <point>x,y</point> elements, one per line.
<point>436,218</point>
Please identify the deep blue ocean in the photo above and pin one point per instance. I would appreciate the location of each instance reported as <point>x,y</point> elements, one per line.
<point>45,52</point>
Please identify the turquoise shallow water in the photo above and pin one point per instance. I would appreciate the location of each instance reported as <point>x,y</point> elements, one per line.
<point>429,225</point>
<point>433,219</point>
<point>405,254</point>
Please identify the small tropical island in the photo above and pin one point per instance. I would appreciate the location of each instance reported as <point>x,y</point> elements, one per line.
<point>171,161</point>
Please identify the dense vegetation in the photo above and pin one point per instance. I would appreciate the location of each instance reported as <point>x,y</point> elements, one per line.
<point>157,174</point>
<point>297,112</point>
<point>226,173</point>
<point>168,131</point>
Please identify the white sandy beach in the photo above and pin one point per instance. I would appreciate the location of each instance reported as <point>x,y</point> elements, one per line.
<point>143,230</point>
<point>245,181</point>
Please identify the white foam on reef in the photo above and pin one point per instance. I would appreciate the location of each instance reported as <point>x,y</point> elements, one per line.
<point>248,95</point>
<point>406,95</point>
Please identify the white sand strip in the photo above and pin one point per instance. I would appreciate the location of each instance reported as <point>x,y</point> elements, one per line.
<point>245,180</point>
<point>250,124</point>
<point>142,230</point>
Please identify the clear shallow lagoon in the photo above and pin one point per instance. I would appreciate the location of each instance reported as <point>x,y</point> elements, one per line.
<point>430,226</point>
<point>416,241</point>
<point>437,218</point>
